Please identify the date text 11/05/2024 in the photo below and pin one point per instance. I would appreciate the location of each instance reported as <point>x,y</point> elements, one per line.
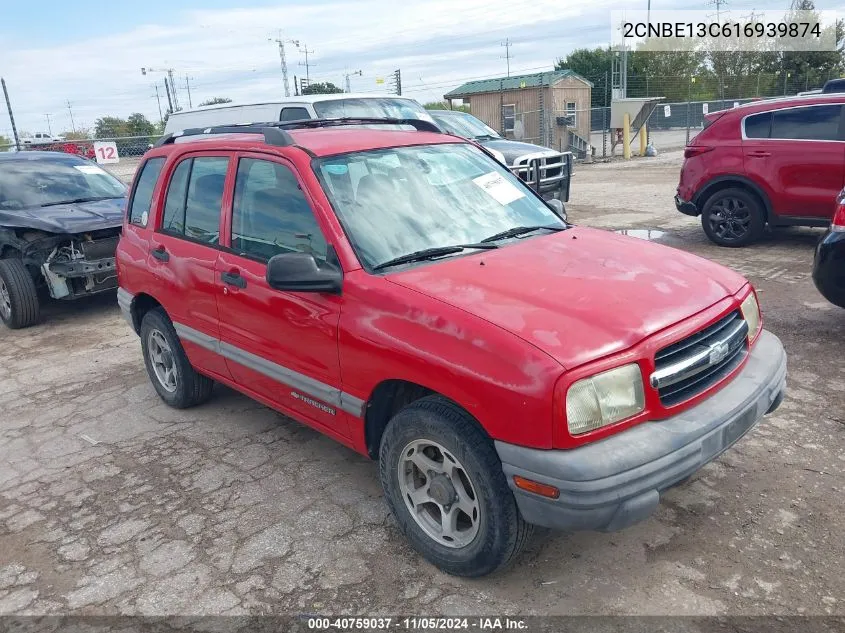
<point>417,623</point>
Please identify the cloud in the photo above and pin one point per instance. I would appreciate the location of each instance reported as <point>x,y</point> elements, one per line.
<point>436,43</point>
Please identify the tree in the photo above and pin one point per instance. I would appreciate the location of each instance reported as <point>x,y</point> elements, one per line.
<point>109,127</point>
<point>5,142</point>
<point>321,88</point>
<point>215,101</point>
<point>138,125</point>
<point>442,105</point>
<point>80,134</point>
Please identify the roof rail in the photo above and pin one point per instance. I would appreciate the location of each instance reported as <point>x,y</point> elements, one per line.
<point>275,131</point>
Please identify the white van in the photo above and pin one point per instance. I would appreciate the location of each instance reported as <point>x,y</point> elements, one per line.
<point>330,106</point>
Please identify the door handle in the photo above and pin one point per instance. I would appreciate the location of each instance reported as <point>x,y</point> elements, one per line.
<point>161,254</point>
<point>759,154</point>
<point>233,278</point>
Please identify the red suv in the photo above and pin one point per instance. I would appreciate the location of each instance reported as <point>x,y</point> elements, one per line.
<point>406,294</point>
<point>778,163</point>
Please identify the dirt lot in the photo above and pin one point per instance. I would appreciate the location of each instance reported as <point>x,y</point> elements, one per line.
<point>112,502</point>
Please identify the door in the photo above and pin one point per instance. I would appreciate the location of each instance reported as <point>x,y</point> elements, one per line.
<point>282,345</point>
<point>183,255</point>
<point>798,155</point>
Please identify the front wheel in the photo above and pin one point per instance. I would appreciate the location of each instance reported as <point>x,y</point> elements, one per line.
<point>733,217</point>
<point>444,483</point>
<point>19,306</point>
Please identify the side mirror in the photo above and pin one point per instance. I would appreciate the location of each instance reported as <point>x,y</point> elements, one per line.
<point>298,272</point>
<point>557,206</point>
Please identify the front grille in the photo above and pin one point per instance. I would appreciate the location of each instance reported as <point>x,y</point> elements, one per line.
<point>551,168</point>
<point>696,363</point>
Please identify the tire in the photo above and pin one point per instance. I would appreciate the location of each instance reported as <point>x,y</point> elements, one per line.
<point>19,305</point>
<point>500,532</point>
<point>733,217</point>
<point>187,387</point>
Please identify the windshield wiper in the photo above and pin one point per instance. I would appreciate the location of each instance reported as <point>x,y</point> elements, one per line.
<point>78,200</point>
<point>519,230</point>
<point>428,253</point>
<point>487,137</point>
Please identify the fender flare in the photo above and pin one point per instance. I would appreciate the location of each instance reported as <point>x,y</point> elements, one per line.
<point>707,190</point>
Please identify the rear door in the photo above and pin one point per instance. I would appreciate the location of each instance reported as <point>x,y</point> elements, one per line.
<point>184,251</point>
<point>797,155</point>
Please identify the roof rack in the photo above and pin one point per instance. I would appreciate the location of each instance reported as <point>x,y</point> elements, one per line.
<point>275,131</point>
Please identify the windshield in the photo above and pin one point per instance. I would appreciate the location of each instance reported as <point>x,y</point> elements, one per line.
<point>464,125</point>
<point>37,182</point>
<point>371,107</point>
<point>397,201</point>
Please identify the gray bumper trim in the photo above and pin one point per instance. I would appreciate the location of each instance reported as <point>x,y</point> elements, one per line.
<point>616,482</point>
<point>124,300</point>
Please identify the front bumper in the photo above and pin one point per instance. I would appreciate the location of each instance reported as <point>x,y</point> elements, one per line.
<point>829,267</point>
<point>617,482</point>
<point>686,207</point>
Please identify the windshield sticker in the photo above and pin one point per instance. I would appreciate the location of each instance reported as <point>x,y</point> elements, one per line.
<point>89,169</point>
<point>498,188</point>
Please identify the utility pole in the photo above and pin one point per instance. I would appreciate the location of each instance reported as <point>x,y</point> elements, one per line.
<point>49,127</point>
<point>158,100</point>
<point>295,86</point>
<point>172,98</point>
<point>304,49</point>
<point>70,110</point>
<point>347,76</point>
<point>188,88</point>
<point>283,60</point>
<point>11,116</point>
<point>507,44</point>
<point>718,4</point>
<point>397,81</point>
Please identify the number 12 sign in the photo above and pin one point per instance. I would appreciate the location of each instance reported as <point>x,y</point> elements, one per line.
<point>106,152</point>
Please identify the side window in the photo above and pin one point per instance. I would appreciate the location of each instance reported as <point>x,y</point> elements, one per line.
<point>294,114</point>
<point>142,197</point>
<point>816,123</point>
<point>508,114</point>
<point>195,197</point>
<point>758,125</point>
<point>270,213</point>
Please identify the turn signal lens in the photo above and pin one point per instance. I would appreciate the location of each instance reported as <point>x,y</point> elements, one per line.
<point>544,490</point>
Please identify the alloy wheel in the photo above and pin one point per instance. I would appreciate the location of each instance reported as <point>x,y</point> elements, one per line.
<point>162,360</point>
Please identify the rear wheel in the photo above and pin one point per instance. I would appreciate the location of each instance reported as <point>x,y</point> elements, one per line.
<point>444,483</point>
<point>168,367</point>
<point>733,217</point>
<point>18,297</point>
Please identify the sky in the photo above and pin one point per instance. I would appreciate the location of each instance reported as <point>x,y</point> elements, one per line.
<point>84,58</point>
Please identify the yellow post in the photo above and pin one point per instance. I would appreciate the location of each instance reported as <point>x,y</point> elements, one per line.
<point>643,138</point>
<point>626,136</point>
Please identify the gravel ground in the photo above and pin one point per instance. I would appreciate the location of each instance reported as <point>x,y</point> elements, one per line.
<point>110,502</point>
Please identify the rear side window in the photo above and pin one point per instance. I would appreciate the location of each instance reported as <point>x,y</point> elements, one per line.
<point>817,123</point>
<point>142,197</point>
<point>758,125</point>
<point>194,199</point>
<point>294,114</point>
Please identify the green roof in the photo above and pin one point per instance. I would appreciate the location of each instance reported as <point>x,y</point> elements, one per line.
<point>514,82</point>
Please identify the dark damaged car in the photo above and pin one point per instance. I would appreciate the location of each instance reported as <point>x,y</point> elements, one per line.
<point>60,219</point>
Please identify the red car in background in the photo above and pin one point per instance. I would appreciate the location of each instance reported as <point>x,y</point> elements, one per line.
<point>778,163</point>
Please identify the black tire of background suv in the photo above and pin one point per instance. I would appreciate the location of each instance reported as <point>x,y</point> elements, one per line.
<point>755,208</point>
<point>22,292</point>
<point>502,533</point>
<point>192,388</point>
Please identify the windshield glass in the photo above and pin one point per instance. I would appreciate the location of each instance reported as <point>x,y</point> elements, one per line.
<point>464,125</point>
<point>37,182</point>
<point>371,107</point>
<point>397,201</point>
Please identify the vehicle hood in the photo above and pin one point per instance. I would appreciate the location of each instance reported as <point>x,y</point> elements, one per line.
<point>514,149</point>
<point>80,217</point>
<point>579,294</point>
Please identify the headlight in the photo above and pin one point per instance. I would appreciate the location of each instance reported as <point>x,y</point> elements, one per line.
<point>604,399</point>
<point>751,314</point>
<point>498,155</point>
